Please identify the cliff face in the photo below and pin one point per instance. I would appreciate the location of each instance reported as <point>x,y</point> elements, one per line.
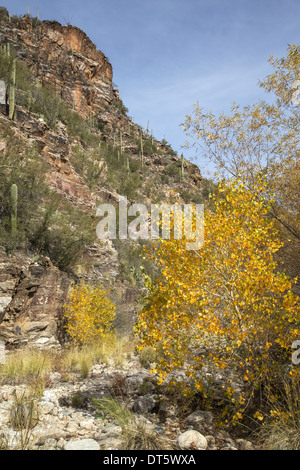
<point>66,58</point>
<point>31,298</point>
<point>32,289</point>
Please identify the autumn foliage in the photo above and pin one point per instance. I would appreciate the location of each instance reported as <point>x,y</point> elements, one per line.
<point>226,305</point>
<point>89,314</point>
<point>261,138</point>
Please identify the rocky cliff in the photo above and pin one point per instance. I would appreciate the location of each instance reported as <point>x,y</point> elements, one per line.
<point>111,158</point>
<point>67,59</point>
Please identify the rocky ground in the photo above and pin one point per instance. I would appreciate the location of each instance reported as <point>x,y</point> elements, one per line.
<point>66,419</point>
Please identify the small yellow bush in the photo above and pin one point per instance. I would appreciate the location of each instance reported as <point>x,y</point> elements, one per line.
<point>89,314</point>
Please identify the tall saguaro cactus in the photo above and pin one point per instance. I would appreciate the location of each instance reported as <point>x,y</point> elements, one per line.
<point>7,50</point>
<point>182,166</point>
<point>121,142</point>
<point>12,91</point>
<point>142,151</point>
<point>14,209</point>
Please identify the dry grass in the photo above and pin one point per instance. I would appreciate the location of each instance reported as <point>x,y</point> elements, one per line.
<point>118,351</point>
<point>283,432</point>
<point>82,360</point>
<point>135,434</point>
<point>79,360</point>
<point>23,418</point>
<point>33,368</point>
<point>147,356</point>
<point>23,413</point>
<point>24,365</point>
<point>28,365</point>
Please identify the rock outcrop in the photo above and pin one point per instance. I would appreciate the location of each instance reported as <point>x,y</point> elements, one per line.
<point>65,58</point>
<point>32,297</point>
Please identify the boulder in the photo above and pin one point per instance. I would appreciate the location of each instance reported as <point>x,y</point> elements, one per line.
<point>82,444</point>
<point>192,440</point>
<point>145,404</point>
<point>200,420</point>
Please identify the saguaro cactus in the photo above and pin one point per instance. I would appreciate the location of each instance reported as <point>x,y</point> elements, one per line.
<point>29,100</point>
<point>182,166</point>
<point>14,209</point>
<point>121,142</point>
<point>142,152</point>
<point>12,91</point>
<point>92,120</point>
<point>6,50</point>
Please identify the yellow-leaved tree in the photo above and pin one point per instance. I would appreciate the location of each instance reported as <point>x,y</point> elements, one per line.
<point>261,138</point>
<point>89,315</point>
<point>225,305</point>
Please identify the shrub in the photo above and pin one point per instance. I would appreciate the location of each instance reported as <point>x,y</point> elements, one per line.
<point>89,314</point>
<point>23,413</point>
<point>173,170</point>
<point>164,178</point>
<point>62,232</point>
<point>192,196</point>
<point>135,165</point>
<point>120,105</point>
<point>148,147</point>
<point>79,400</point>
<point>90,166</point>
<point>130,185</point>
<point>3,14</point>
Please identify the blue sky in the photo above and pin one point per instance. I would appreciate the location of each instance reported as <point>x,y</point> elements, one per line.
<point>169,54</point>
